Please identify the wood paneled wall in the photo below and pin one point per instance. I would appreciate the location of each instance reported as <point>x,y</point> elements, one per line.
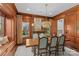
<point>77,31</point>
<point>9,12</point>
<point>29,18</point>
<point>71,26</point>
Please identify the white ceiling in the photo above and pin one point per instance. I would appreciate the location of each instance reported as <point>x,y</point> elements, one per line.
<point>39,8</point>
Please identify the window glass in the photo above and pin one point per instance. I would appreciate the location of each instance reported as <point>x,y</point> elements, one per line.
<point>60,27</point>
<point>1,26</point>
<point>25,29</point>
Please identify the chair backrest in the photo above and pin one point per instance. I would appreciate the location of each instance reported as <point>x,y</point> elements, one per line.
<point>61,40</point>
<point>43,43</point>
<point>41,35</point>
<point>53,41</point>
<point>35,36</point>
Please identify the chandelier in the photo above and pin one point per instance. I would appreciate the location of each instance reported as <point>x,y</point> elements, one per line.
<point>46,5</point>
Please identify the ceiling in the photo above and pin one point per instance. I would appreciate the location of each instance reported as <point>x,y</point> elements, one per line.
<point>40,9</point>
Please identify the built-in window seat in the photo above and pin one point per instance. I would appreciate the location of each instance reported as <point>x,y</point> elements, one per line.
<point>8,49</point>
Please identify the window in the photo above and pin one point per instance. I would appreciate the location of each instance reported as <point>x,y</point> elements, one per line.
<point>1,26</point>
<point>60,27</point>
<point>25,29</point>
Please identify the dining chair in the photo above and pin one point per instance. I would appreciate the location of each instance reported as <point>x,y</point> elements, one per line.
<point>42,47</point>
<point>53,45</point>
<point>41,35</point>
<point>61,44</point>
<point>35,36</point>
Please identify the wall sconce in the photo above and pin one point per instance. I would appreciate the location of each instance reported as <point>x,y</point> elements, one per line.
<point>32,24</point>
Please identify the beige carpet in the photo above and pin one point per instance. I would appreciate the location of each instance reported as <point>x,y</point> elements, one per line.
<point>23,51</point>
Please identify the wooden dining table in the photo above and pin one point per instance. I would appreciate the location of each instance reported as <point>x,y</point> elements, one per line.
<point>31,42</point>
<point>34,43</point>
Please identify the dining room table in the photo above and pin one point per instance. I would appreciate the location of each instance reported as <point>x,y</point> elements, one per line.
<point>34,43</point>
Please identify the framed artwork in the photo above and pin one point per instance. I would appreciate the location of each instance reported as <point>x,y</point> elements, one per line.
<point>37,23</point>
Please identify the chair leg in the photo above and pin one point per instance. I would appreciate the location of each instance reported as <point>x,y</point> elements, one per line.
<point>34,51</point>
<point>55,53</point>
<point>63,50</point>
<point>49,53</point>
<point>38,53</point>
<point>46,52</point>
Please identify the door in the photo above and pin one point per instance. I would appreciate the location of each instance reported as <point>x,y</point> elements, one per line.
<point>70,30</point>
